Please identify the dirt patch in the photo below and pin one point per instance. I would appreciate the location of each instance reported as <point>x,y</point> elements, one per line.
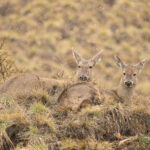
<point>18,133</point>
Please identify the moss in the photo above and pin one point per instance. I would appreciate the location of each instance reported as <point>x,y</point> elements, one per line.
<point>145,141</point>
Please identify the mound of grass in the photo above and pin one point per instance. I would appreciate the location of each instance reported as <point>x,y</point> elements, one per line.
<point>103,123</point>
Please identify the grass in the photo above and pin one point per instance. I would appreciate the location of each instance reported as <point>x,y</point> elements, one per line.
<point>145,141</point>
<point>6,100</point>
<point>39,38</point>
<point>39,108</point>
<point>3,125</point>
<point>68,144</point>
<point>95,111</point>
<point>41,146</point>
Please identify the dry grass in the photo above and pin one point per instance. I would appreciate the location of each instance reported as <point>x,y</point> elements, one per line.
<point>7,64</point>
<point>39,37</point>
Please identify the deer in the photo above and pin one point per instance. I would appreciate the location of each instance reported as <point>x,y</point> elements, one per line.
<point>85,66</point>
<point>26,83</point>
<point>82,93</point>
<point>128,82</point>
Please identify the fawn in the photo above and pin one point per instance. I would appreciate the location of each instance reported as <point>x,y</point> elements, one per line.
<point>84,71</point>
<point>128,81</point>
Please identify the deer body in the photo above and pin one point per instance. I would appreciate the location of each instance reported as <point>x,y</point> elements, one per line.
<point>124,93</point>
<point>78,96</point>
<point>26,83</point>
<point>20,84</point>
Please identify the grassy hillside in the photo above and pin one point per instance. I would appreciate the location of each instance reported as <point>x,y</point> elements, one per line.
<point>39,36</point>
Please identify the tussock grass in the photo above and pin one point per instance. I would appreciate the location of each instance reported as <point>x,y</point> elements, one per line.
<point>39,108</point>
<point>38,95</point>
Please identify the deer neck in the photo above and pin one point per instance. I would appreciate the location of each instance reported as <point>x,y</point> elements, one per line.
<point>124,92</point>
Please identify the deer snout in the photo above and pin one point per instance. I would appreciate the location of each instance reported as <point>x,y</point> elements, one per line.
<point>128,83</point>
<point>83,78</point>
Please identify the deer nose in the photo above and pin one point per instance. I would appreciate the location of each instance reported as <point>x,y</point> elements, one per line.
<point>128,83</point>
<point>83,78</point>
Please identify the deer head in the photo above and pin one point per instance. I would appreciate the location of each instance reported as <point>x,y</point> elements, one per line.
<point>85,67</point>
<point>130,73</point>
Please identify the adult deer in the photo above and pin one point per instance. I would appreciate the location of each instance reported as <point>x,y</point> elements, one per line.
<point>85,66</point>
<point>128,82</point>
<point>82,93</point>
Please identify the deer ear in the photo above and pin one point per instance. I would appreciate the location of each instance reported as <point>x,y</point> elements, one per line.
<point>97,58</point>
<point>119,62</point>
<point>76,56</point>
<point>141,64</point>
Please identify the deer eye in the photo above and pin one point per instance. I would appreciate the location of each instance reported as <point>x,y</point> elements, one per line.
<point>124,73</point>
<point>90,67</point>
<point>134,74</point>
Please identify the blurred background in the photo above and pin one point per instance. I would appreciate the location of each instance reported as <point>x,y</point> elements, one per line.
<point>40,35</point>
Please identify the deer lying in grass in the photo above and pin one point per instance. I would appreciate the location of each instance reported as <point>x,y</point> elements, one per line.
<point>85,67</point>
<point>24,84</point>
<point>20,84</point>
<point>128,81</point>
<point>82,93</point>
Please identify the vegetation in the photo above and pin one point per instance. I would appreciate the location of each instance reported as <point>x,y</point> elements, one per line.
<point>39,36</point>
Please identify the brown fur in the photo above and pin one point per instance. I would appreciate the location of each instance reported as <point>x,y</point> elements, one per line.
<point>20,84</point>
<point>78,96</point>
<point>24,84</point>
<point>85,67</point>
